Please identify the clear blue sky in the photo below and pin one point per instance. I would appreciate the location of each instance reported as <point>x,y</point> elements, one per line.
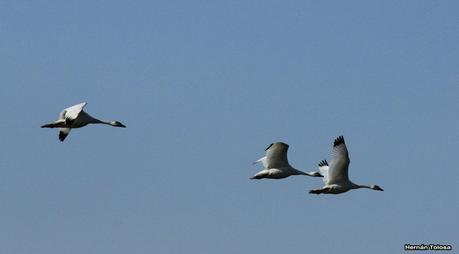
<point>204,87</point>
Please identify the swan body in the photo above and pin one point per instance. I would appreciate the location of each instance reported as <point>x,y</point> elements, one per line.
<point>336,176</point>
<point>275,164</point>
<point>75,117</point>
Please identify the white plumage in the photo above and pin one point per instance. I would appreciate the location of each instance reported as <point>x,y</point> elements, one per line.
<point>75,117</point>
<point>275,164</point>
<point>336,176</point>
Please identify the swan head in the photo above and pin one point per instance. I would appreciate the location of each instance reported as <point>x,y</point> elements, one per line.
<point>117,124</point>
<point>376,187</point>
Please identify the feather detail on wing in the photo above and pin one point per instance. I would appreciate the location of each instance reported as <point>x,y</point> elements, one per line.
<point>276,155</point>
<point>62,115</point>
<point>63,132</point>
<point>73,111</point>
<point>323,169</point>
<point>262,161</point>
<point>266,149</point>
<point>339,166</point>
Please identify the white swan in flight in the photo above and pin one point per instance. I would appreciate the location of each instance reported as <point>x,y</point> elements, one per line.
<point>75,117</point>
<point>276,165</point>
<point>336,177</point>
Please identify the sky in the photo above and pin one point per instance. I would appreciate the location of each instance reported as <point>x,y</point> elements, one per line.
<point>204,87</point>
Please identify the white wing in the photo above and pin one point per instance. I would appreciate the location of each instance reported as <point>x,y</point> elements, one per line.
<point>262,161</point>
<point>323,168</point>
<point>72,112</point>
<point>62,115</point>
<point>338,172</point>
<point>276,155</point>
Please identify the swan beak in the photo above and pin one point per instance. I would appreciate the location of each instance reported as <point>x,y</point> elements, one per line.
<point>122,125</point>
<point>378,188</point>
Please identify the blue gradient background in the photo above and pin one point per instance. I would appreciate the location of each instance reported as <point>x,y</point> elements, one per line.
<point>204,87</point>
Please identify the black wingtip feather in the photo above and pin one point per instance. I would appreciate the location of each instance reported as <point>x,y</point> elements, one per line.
<point>62,136</point>
<point>269,146</point>
<point>338,141</point>
<point>323,163</point>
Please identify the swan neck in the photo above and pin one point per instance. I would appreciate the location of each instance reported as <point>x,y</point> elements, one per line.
<point>299,172</point>
<point>95,120</point>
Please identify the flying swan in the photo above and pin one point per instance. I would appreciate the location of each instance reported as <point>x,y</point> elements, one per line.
<point>336,177</point>
<point>75,117</point>
<point>276,165</point>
